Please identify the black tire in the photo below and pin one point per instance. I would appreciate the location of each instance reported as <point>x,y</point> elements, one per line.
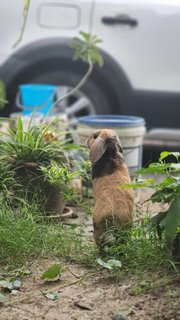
<point>70,79</point>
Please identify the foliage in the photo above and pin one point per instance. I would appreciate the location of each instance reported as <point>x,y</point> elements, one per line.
<point>38,165</point>
<point>167,191</point>
<point>139,251</point>
<point>3,100</point>
<point>84,170</point>
<point>53,273</point>
<point>85,48</point>
<point>25,236</point>
<point>7,181</point>
<point>109,264</point>
<point>21,236</point>
<point>25,15</point>
<point>6,285</point>
<point>59,176</point>
<point>18,145</point>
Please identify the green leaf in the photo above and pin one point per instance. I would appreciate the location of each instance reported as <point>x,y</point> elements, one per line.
<point>85,35</point>
<point>3,100</point>
<point>17,284</point>
<point>110,264</point>
<point>114,263</point>
<point>157,219</point>
<point>172,221</point>
<point>148,183</point>
<point>52,296</point>
<point>26,7</point>
<point>85,48</point>
<point>154,168</point>
<point>6,285</point>
<point>52,273</point>
<point>20,129</point>
<point>175,167</point>
<point>165,154</point>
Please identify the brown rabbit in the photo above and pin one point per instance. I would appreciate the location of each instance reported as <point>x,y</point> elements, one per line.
<point>113,206</point>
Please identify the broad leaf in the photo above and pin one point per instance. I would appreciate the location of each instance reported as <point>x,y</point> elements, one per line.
<point>17,284</point>
<point>147,183</point>
<point>6,285</point>
<point>154,168</point>
<point>85,48</point>
<point>172,221</point>
<point>53,273</point>
<point>158,218</point>
<point>175,167</point>
<point>165,154</point>
<point>110,264</point>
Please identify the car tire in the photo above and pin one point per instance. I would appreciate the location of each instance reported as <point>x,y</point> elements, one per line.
<point>100,104</point>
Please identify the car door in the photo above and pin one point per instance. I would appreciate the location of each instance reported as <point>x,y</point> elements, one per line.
<point>46,19</point>
<point>143,37</point>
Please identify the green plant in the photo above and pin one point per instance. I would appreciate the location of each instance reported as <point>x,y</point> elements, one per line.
<point>167,223</point>
<point>60,177</point>
<point>21,236</point>
<point>86,50</point>
<point>139,252</point>
<point>7,180</point>
<point>26,236</point>
<point>25,15</point>
<point>53,272</point>
<point>18,146</point>
<point>3,100</point>
<point>27,153</point>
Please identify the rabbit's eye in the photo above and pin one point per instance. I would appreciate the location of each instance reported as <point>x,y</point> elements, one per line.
<point>95,135</point>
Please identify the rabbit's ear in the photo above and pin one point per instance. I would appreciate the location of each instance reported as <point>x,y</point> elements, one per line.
<point>97,150</point>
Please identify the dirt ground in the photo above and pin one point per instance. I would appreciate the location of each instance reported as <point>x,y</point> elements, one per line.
<point>83,295</point>
<point>87,294</point>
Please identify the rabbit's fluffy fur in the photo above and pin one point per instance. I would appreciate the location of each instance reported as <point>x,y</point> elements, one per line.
<point>113,206</point>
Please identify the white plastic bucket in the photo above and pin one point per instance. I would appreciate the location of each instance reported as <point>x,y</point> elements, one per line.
<point>130,130</point>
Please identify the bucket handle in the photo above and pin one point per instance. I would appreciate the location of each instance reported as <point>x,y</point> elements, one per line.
<point>19,105</point>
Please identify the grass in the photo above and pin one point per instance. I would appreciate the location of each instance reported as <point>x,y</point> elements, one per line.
<point>25,237</point>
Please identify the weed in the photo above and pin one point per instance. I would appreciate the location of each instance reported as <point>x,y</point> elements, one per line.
<point>139,251</point>
<point>21,236</point>
<point>24,236</point>
<point>167,223</point>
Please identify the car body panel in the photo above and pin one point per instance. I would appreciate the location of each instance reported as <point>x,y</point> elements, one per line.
<point>148,52</point>
<point>80,11</point>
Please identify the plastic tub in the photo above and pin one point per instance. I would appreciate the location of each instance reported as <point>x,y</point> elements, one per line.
<point>130,130</point>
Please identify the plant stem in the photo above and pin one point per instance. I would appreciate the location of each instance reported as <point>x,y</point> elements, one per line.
<point>25,16</point>
<point>77,87</point>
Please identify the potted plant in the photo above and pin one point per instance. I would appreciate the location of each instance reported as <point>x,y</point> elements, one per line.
<point>40,163</point>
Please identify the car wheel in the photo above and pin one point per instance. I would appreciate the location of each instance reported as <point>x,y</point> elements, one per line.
<point>88,100</point>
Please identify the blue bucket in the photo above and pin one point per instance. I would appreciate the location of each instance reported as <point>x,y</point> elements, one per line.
<point>36,97</point>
